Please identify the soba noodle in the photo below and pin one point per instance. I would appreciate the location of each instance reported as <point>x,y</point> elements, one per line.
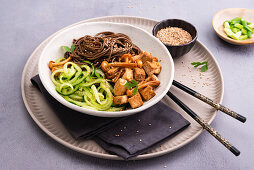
<point>107,46</point>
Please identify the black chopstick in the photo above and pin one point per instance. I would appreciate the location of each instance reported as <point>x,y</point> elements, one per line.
<point>210,102</point>
<point>205,125</point>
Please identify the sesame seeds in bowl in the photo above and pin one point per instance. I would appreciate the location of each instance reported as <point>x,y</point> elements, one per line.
<point>177,35</point>
<point>173,36</point>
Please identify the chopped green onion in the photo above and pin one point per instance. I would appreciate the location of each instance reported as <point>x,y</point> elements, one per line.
<point>226,25</point>
<point>251,26</point>
<point>243,37</point>
<point>235,30</point>
<point>249,34</point>
<point>238,28</point>
<point>244,31</point>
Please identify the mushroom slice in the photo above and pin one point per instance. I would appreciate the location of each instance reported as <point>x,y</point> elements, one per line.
<point>113,70</point>
<point>119,64</point>
<point>117,76</point>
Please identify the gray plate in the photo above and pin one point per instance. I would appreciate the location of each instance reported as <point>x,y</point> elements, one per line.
<point>209,83</point>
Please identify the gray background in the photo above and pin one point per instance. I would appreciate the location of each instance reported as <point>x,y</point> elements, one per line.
<point>25,24</point>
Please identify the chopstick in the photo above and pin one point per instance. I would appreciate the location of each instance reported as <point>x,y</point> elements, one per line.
<point>205,125</point>
<point>210,102</point>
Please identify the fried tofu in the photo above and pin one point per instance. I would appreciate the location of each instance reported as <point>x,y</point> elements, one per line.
<point>146,56</point>
<point>128,74</point>
<point>135,101</point>
<point>120,100</point>
<point>119,88</point>
<point>139,74</point>
<point>147,93</point>
<point>152,67</point>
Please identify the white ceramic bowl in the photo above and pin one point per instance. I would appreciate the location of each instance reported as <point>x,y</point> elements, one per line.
<point>141,38</point>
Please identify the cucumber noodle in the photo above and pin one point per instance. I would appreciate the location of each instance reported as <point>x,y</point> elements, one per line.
<point>84,86</point>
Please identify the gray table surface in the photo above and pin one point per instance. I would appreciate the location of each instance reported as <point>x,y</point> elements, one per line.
<point>26,23</point>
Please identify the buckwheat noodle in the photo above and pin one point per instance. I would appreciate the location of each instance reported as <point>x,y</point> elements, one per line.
<point>107,46</point>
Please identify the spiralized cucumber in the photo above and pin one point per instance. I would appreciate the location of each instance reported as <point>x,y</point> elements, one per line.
<point>84,86</point>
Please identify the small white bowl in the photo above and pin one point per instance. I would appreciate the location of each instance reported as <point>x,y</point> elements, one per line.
<point>141,38</point>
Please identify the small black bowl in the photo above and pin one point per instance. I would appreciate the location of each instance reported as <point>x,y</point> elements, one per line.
<point>177,50</point>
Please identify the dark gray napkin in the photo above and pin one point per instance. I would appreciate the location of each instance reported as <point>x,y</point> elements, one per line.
<point>126,137</point>
<point>78,124</point>
<point>139,133</point>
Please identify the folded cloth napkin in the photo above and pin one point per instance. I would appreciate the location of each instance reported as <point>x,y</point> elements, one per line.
<point>139,133</point>
<point>78,124</point>
<point>126,137</point>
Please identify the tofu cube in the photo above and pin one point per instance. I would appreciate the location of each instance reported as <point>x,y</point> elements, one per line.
<point>146,56</point>
<point>128,74</point>
<point>120,100</point>
<point>147,93</point>
<point>135,101</point>
<point>139,74</point>
<point>152,67</point>
<point>119,88</point>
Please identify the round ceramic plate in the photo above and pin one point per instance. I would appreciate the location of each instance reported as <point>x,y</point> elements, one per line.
<point>209,83</point>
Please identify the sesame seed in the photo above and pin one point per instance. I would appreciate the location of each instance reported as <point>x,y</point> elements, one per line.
<point>169,127</point>
<point>173,36</point>
<point>140,140</point>
<point>139,120</point>
<point>149,124</point>
<point>117,135</point>
<point>124,127</point>
<point>165,166</point>
<point>137,131</point>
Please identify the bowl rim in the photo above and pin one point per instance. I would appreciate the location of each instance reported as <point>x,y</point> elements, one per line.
<point>224,37</point>
<point>182,45</point>
<point>60,99</point>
